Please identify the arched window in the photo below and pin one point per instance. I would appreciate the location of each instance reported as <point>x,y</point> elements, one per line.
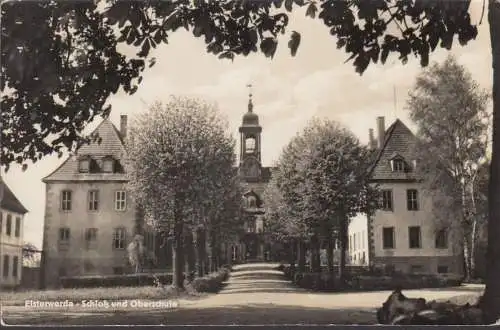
<point>252,201</point>
<point>250,145</point>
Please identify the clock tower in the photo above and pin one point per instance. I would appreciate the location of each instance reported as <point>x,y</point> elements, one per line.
<point>250,144</point>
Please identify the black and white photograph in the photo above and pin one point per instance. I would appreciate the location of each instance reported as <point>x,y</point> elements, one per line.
<point>250,162</point>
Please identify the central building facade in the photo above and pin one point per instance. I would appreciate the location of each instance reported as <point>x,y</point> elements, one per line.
<point>254,243</point>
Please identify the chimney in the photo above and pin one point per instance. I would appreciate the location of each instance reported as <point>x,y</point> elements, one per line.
<point>123,126</point>
<point>381,131</point>
<point>373,143</point>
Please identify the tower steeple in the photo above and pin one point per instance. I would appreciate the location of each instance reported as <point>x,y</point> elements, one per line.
<point>250,143</point>
<point>250,104</point>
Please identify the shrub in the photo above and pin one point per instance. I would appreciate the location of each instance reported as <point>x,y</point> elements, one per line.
<point>281,267</point>
<point>328,282</point>
<point>106,281</point>
<point>211,283</point>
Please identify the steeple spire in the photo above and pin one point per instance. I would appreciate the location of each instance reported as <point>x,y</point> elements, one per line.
<point>250,104</point>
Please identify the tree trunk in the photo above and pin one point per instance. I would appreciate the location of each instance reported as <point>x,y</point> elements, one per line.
<point>301,255</point>
<point>178,255</point>
<point>200,252</point>
<point>491,300</point>
<point>291,253</point>
<point>343,231</point>
<point>190,254</point>
<point>315,254</point>
<point>329,253</point>
<point>467,257</point>
<point>473,249</point>
<point>213,251</point>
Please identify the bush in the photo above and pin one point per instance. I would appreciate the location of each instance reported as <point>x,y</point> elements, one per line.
<point>211,283</point>
<point>315,281</point>
<point>106,281</point>
<point>328,282</point>
<point>281,267</point>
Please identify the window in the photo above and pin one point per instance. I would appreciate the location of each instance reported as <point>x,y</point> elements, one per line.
<point>251,225</point>
<point>88,266</point>
<point>66,200</point>
<point>17,231</point>
<point>119,238</point>
<point>8,225</point>
<point>84,165</point>
<point>15,266</point>
<point>108,165</point>
<point>416,268</point>
<point>6,264</point>
<point>118,270</point>
<point>398,165</point>
<point>64,234</point>
<point>90,237</point>
<point>250,145</point>
<point>442,269</point>
<point>120,201</point>
<point>62,272</point>
<point>363,260</point>
<point>93,200</point>
<point>415,237</point>
<point>387,200</point>
<point>363,239</point>
<point>412,199</point>
<point>442,239</point>
<point>350,243</point>
<point>388,238</point>
<point>251,202</point>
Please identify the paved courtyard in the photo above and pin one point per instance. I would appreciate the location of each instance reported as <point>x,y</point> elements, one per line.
<point>254,294</point>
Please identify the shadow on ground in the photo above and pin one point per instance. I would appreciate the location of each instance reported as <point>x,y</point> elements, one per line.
<point>264,314</point>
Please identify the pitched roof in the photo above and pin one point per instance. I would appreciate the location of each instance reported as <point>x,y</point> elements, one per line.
<point>398,140</point>
<point>111,145</point>
<point>9,201</point>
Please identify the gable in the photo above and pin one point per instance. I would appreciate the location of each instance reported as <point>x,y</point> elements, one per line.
<point>398,145</point>
<point>111,145</point>
<point>9,201</point>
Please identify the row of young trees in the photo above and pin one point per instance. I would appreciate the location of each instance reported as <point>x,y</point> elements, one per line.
<point>182,174</point>
<point>321,181</point>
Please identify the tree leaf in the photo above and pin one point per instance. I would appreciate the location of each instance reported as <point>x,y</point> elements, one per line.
<point>268,46</point>
<point>294,42</point>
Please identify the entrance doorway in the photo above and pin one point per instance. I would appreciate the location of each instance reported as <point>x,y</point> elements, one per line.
<point>252,247</point>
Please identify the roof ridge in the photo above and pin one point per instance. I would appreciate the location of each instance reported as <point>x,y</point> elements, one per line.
<point>7,192</point>
<point>104,120</point>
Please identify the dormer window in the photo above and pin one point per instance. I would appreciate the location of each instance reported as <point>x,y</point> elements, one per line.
<point>108,164</point>
<point>398,164</point>
<point>84,164</point>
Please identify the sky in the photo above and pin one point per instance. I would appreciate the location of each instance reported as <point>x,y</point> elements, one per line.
<point>287,92</point>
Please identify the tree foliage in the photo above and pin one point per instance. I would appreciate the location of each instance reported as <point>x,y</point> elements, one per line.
<point>61,60</point>
<point>450,110</point>
<point>181,170</point>
<point>321,176</point>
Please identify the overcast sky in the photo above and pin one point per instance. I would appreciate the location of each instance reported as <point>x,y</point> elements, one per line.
<point>288,91</point>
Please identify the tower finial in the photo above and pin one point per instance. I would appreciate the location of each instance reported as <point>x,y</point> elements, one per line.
<point>250,104</point>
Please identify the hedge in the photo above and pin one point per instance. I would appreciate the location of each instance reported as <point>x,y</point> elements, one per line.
<point>106,281</point>
<point>325,281</point>
<point>211,283</point>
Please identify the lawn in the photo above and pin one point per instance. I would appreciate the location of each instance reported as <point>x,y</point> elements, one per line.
<point>79,294</point>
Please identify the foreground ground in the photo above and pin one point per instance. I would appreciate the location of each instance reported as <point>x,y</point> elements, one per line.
<point>254,294</point>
